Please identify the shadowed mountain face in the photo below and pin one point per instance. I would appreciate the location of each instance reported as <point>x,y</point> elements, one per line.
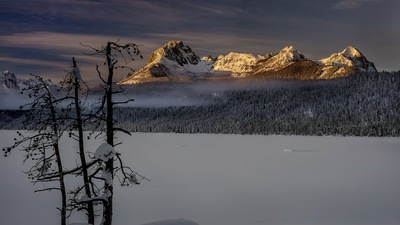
<point>351,57</point>
<point>8,82</point>
<point>175,51</point>
<point>173,60</point>
<point>177,61</point>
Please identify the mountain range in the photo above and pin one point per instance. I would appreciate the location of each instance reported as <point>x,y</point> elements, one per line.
<point>9,83</point>
<point>177,61</point>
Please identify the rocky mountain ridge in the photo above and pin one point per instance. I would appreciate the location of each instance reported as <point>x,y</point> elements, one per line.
<point>10,84</point>
<point>174,59</point>
<point>177,61</point>
<point>350,57</point>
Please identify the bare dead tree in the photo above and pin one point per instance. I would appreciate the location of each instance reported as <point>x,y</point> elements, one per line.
<point>112,53</point>
<point>41,143</point>
<point>72,85</point>
<point>48,118</point>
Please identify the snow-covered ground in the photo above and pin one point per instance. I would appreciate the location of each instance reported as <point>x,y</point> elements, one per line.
<point>233,180</point>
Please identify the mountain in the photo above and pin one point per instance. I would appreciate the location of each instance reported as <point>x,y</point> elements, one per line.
<point>173,60</point>
<point>349,59</point>
<point>282,59</point>
<point>8,82</point>
<point>178,62</point>
<point>289,63</point>
<point>236,64</point>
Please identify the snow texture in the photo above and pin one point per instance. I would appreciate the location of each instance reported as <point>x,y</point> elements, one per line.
<point>77,73</point>
<point>107,176</point>
<point>104,152</point>
<point>232,180</point>
<point>80,224</point>
<point>10,84</point>
<point>237,63</point>
<point>350,57</point>
<point>283,58</point>
<point>173,222</point>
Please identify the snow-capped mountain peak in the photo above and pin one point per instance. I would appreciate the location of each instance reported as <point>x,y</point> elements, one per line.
<point>175,51</point>
<point>236,63</point>
<point>282,59</point>
<point>351,52</point>
<point>290,53</point>
<point>174,59</point>
<point>349,57</point>
<point>8,82</point>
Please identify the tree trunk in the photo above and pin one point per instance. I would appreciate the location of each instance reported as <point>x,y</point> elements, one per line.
<point>108,209</point>
<point>90,210</point>
<point>62,185</point>
<point>55,131</point>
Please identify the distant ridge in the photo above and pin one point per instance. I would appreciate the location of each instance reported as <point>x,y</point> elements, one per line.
<point>9,83</point>
<point>176,61</point>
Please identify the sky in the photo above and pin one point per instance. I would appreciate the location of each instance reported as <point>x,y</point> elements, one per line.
<point>41,36</point>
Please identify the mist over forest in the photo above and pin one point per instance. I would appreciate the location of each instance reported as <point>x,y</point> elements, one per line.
<point>365,104</point>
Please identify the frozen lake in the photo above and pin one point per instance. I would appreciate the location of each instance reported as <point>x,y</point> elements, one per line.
<point>234,180</point>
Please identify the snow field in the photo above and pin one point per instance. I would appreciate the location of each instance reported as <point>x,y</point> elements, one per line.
<point>232,180</point>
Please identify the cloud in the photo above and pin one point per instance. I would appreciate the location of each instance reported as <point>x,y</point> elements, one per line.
<point>59,48</point>
<point>352,4</point>
<point>30,61</point>
<point>56,41</point>
<point>101,17</point>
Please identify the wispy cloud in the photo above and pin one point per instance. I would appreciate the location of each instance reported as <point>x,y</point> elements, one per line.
<point>59,49</point>
<point>352,4</point>
<point>56,41</point>
<point>31,61</point>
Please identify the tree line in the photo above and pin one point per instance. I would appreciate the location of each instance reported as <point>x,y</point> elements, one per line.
<point>365,104</point>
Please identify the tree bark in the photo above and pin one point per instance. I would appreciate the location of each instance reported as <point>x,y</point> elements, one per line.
<point>90,209</point>
<point>55,131</point>
<point>108,208</point>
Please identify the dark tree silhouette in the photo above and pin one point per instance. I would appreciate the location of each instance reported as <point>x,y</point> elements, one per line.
<point>72,85</point>
<point>113,52</point>
<point>41,142</point>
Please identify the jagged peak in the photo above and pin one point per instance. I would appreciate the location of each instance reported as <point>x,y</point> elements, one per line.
<point>289,48</point>
<point>351,52</point>
<point>289,54</point>
<point>174,44</point>
<point>175,59</point>
<point>351,57</point>
<point>175,51</point>
<point>235,62</point>
<point>7,74</point>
